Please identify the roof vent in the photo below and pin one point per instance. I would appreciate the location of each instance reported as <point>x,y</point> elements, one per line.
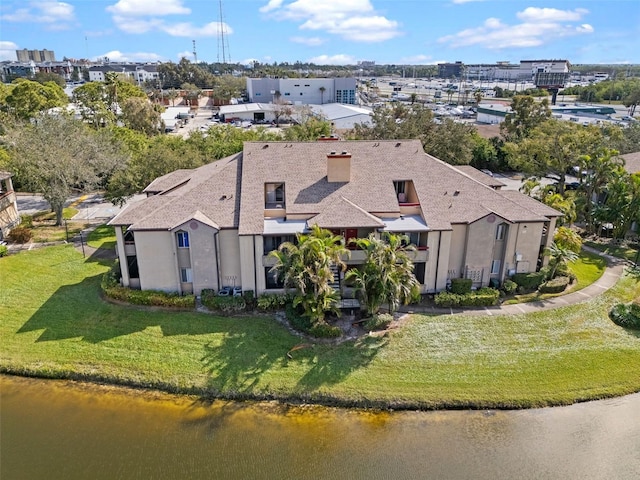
<point>456,193</point>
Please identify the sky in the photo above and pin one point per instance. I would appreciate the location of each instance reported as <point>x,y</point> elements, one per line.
<point>338,32</point>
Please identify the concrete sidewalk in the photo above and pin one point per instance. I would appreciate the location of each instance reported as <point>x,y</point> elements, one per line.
<point>613,272</point>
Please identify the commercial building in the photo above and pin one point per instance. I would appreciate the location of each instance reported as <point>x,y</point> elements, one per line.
<point>302,91</point>
<point>25,55</point>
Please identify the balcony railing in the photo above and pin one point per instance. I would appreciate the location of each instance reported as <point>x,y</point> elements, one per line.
<point>7,199</point>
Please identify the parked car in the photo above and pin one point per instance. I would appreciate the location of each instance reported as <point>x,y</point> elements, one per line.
<point>487,172</point>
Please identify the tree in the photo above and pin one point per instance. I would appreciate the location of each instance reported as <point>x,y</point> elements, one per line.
<point>141,115</point>
<point>308,266</point>
<point>600,167</point>
<point>526,114</point>
<point>322,90</point>
<point>631,99</point>
<point>559,255</point>
<point>622,204</point>
<point>44,77</point>
<point>100,101</point>
<point>387,273</point>
<point>57,155</point>
<point>26,98</point>
<point>552,149</point>
<point>567,238</point>
<point>192,94</point>
<point>451,142</point>
<point>308,127</point>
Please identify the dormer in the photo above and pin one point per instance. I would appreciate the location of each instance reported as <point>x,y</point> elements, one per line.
<point>274,195</point>
<point>338,167</point>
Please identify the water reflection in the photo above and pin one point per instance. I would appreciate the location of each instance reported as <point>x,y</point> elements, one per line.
<point>60,430</point>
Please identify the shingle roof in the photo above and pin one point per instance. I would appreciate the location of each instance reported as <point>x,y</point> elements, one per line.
<point>632,162</point>
<point>210,193</point>
<point>445,194</point>
<point>480,176</point>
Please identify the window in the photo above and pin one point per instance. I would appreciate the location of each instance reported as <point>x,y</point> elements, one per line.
<point>183,239</point>
<point>500,231</point>
<point>128,235</point>
<point>419,271</point>
<point>185,275</point>
<point>274,195</point>
<point>272,280</point>
<point>132,264</point>
<point>495,267</point>
<point>272,243</point>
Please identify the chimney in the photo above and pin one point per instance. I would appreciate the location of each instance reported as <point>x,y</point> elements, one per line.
<point>339,167</point>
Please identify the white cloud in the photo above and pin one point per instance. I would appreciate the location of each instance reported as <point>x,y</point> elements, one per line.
<point>186,54</point>
<point>188,30</point>
<point>533,14</point>
<point>340,59</point>
<point>309,41</point>
<point>55,15</point>
<point>136,25</point>
<point>354,20</point>
<point>8,51</point>
<point>272,5</point>
<point>118,56</point>
<point>148,7</point>
<point>541,26</point>
<point>417,59</point>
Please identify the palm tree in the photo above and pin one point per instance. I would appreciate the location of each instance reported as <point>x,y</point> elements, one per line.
<point>387,274</point>
<point>559,256</point>
<point>307,266</point>
<point>322,90</point>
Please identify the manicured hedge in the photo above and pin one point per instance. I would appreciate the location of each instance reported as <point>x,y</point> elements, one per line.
<point>269,302</point>
<point>227,305</point>
<point>461,285</point>
<point>626,315</point>
<point>378,321</point>
<point>509,286</point>
<point>112,289</point>
<point>485,297</point>
<point>530,281</point>
<point>555,285</point>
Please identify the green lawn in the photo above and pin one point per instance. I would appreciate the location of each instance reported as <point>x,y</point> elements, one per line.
<point>588,268</point>
<point>628,253</point>
<point>103,236</point>
<point>55,324</point>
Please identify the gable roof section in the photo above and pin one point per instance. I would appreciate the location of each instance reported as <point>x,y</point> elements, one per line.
<point>209,194</point>
<point>341,213</point>
<point>445,194</point>
<point>480,176</point>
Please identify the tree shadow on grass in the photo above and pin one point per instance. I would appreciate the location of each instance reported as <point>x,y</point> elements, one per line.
<point>78,311</point>
<point>329,366</point>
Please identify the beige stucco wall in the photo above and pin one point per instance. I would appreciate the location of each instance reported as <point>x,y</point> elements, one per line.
<point>124,267</point>
<point>230,270</point>
<point>202,256</point>
<point>157,261</point>
<point>248,263</point>
<point>456,256</point>
<point>446,240</point>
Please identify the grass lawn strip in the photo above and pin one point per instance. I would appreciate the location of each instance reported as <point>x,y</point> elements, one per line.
<point>56,325</point>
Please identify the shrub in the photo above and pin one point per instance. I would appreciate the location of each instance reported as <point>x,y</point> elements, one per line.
<point>378,322</point>
<point>555,285</point>
<point>26,221</point>
<point>4,251</point>
<point>324,330</point>
<point>485,297</point>
<point>626,315</point>
<point>273,301</point>
<point>530,281</point>
<point>20,234</point>
<point>461,285</point>
<point>112,289</point>
<point>509,286</point>
<point>226,305</point>
<point>563,270</point>
<point>249,299</point>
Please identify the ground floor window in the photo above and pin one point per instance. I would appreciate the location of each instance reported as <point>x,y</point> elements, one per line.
<point>495,267</point>
<point>132,264</point>
<point>185,275</point>
<point>419,271</point>
<point>272,280</point>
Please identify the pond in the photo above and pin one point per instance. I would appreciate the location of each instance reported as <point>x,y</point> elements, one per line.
<point>65,430</point>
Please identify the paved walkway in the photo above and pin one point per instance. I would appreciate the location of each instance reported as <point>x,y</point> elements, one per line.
<point>613,272</point>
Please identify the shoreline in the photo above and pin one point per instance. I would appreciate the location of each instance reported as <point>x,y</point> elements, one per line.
<point>205,395</point>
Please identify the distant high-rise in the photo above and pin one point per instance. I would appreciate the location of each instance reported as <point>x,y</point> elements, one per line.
<point>25,55</point>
